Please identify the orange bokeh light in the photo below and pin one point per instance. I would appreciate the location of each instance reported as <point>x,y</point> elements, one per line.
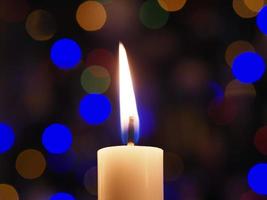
<point>242,10</point>
<point>254,5</point>
<point>30,164</point>
<point>172,5</point>
<point>8,192</point>
<point>237,89</point>
<point>40,25</point>
<point>235,48</point>
<point>91,15</point>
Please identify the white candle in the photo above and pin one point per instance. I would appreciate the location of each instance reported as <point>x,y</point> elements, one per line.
<point>129,172</point>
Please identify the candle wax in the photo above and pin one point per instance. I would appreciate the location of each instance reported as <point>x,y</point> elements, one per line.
<point>130,173</point>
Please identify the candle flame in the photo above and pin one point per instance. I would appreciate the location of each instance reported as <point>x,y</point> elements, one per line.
<point>128,110</point>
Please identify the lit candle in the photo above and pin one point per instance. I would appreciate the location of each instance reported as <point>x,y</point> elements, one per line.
<point>129,172</point>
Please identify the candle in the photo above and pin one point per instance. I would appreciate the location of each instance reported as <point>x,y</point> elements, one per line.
<point>129,172</point>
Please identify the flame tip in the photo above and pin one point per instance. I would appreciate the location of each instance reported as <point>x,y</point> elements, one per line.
<point>121,47</point>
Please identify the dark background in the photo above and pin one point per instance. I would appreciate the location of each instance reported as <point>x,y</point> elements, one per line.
<point>179,70</point>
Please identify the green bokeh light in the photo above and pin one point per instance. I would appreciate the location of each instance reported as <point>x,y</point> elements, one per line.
<point>104,1</point>
<point>152,15</point>
<point>95,79</point>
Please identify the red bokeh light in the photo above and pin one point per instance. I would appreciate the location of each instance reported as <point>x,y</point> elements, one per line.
<point>101,57</point>
<point>260,140</point>
<point>222,110</point>
<point>250,195</point>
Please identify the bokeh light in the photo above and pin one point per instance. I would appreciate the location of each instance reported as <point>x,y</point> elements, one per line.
<point>248,67</point>
<point>222,110</point>
<point>237,89</point>
<point>173,166</point>
<point>66,54</point>
<point>40,190</point>
<point>62,163</point>
<point>95,79</point>
<point>172,5</point>
<point>236,48</point>
<point>257,178</point>
<point>250,195</point>
<point>8,192</point>
<point>205,22</point>
<point>57,138</point>
<point>13,10</point>
<point>95,108</point>
<point>242,10</point>
<point>254,5</point>
<point>62,196</point>
<point>122,20</point>
<point>40,25</point>
<point>191,76</point>
<point>217,89</point>
<point>30,164</point>
<point>152,15</point>
<point>91,15</point>
<point>101,57</point>
<point>90,181</point>
<point>7,137</point>
<point>261,20</point>
<point>85,145</point>
<point>260,140</point>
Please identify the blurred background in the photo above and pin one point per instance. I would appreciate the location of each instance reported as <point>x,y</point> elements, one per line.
<point>199,75</point>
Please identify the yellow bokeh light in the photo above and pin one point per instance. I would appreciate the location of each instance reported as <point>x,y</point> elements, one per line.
<point>235,49</point>
<point>91,15</point>
<point>8,192</point>
<point>242,10</point>
<point>30,164</point>
<point>237,89</point>
<point>254,5</point>
<point>172,5</point>
<point>40,25</point>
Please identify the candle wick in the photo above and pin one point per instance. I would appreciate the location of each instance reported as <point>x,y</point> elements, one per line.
<point>131,131</point>
<point>130,144</point>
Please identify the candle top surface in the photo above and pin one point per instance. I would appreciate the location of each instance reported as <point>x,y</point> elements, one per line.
<point>129,147</point>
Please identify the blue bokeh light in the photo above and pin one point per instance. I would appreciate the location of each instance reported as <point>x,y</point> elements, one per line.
<point>66,54</point>
<point>217,90</point>
<point>262,20</point>
<point>57,139</point>
<point>95,108</point>
<point>62,196</point>
<point>61,163</point>
<point>248,67</point>
<point>257,178</point>
<point>7,137</point>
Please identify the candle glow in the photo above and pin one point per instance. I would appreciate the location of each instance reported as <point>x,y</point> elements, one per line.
<point>128,110</point>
